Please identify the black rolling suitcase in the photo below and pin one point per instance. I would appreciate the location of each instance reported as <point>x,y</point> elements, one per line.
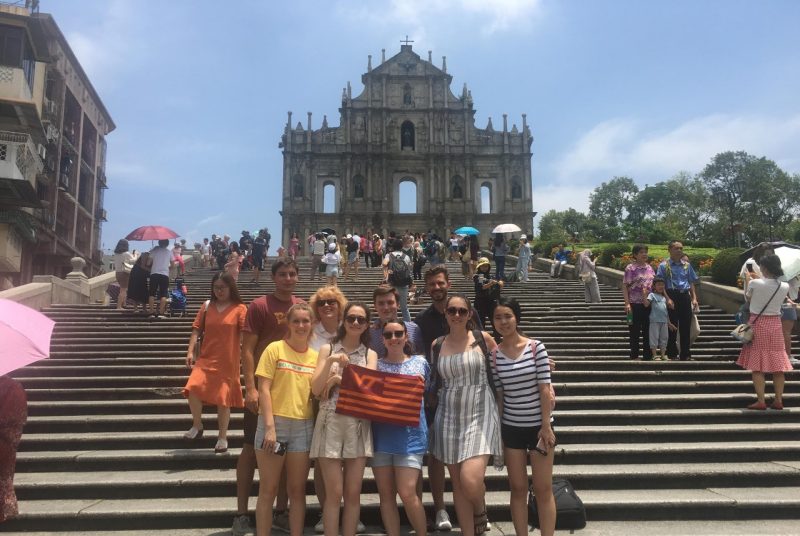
<point>570,513</point>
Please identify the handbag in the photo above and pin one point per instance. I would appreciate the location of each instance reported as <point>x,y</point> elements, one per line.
<point>586,277</point>
<point>570,512</point>
<point>380,396</point>
<point>199,342</point>
<point>467,256</point>
<point>744,332</point>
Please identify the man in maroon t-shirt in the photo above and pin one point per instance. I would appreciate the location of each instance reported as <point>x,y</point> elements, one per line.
<point>265,323</point>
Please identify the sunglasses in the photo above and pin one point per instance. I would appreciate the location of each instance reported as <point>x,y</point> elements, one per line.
<point>389,335</point>
<point>353,319</point>
<point>457,311</point>
<point>323,303</point>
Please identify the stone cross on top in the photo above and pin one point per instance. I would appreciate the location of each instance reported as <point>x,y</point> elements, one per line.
<point>406,41</point>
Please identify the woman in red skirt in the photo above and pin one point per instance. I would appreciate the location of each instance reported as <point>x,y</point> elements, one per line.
<point>766,353</point>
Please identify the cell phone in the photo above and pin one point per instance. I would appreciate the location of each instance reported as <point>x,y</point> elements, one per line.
<point>750,268</point>
<point>279,448</point>
<point>540,447</point>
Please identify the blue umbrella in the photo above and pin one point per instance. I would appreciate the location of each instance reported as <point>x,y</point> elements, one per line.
<point>472,231</point>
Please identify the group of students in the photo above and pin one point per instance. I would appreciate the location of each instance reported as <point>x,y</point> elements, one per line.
<point>483,400</point>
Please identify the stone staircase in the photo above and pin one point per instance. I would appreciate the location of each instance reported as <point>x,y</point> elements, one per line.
<point>640,441</point>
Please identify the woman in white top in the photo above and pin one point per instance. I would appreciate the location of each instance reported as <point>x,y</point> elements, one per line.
<point>521,374</point>
<point>123,263</point>
<point>586,271</point>
<point>341,444</point>
<point>766,353</point>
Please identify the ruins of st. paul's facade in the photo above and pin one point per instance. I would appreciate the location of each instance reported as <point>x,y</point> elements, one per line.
<point>405,126</point>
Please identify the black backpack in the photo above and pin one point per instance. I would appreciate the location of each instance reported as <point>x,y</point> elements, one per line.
<point>399,276</point>
<point>570,512</point>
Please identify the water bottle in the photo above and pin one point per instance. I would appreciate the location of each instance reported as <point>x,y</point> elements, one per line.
<point>629,317</point>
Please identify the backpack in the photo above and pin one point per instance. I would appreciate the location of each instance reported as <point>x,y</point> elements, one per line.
<point>430,248</point>
<point>399,276</point>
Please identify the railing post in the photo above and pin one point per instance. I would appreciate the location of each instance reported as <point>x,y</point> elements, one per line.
<point>78,278</point>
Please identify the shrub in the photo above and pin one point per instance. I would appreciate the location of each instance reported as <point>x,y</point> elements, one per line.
<point>550,247</point>
<point>699,260</point>
<point>726,266</point>
<point>611,252</point>
<point>536,248</point>
<point>703,244</point>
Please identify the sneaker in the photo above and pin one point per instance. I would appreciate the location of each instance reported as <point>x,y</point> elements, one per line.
<point>280,521</point>
<point>241,525</point>
<point>319,528</point>
<point>442,522</point>
<point>795,362</point>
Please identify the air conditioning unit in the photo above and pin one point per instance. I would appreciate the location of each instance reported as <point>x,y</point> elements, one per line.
<point>42,151</point>
<point>51,133</point>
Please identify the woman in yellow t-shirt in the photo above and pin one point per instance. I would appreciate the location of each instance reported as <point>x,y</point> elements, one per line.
<point>286,420</point>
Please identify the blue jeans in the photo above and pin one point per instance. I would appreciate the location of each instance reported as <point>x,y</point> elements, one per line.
<point>403,294</point>
<point>500,261</point>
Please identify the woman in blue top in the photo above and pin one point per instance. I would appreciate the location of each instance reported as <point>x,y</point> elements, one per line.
<point>398,450</point>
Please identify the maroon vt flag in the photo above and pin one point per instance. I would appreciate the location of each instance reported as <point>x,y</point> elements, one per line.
<point>380,396</point>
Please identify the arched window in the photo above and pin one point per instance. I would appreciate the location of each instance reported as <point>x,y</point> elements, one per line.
<point>486,198</point>
<point>516,187</point>
<point>408,196</point>
<point>328,198</point>
<point>407,135</point>
<point>297,186</point>
<point>457,191</point>
<point>358,187</point>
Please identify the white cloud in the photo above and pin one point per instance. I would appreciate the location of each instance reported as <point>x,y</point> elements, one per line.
<point>422,18</point>
<point>625,147</point>
<point>559,196</point>
<point>111,45</point>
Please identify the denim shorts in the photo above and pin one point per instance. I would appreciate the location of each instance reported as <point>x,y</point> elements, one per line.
<point>296,433</point>
<point>352,257</point>
<point>788,312</point>
<point>385,459</point>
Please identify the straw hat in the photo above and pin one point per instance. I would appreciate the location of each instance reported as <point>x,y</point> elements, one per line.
<point>481,262</point>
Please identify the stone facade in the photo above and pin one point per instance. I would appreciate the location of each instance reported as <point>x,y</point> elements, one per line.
<point>406,125</point>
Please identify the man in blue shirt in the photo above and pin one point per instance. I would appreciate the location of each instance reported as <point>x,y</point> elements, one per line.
<point>385,299</point>
<point>680,280</point>
<point>561,258</point>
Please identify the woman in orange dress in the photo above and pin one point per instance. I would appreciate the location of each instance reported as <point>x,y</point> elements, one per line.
<point>215,375</point>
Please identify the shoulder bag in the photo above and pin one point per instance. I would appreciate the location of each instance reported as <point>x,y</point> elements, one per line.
<point>744,332</point>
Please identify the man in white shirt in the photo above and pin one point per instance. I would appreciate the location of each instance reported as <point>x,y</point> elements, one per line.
<point>159,278</point>
<point>317,251</point>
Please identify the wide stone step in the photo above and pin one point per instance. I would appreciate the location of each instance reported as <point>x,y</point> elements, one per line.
<point>723,503</point>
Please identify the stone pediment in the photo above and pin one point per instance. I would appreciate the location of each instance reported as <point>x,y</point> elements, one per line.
<point>407,63</point>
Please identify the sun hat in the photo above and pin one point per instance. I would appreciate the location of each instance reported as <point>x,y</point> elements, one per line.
<point>483,261</point>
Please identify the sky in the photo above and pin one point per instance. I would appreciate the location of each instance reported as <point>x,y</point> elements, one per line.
<point>200,90</point>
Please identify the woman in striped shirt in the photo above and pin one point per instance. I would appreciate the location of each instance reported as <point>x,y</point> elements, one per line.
<point>521,373</point>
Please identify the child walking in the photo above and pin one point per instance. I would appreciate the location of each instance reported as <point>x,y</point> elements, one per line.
<point>658,302</point>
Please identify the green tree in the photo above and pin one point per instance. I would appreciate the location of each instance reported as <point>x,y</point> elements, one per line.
<point>609,203</point>
<point>562,225</point>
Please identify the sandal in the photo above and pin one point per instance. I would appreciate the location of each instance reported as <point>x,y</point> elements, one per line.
<point>760,406</point>
<point>193,433</point>
<point>777,404</point>
<point>221,446</point>
<point>480,521</point>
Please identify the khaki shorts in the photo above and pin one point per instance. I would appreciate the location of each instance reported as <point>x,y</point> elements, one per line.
<point>340,436</point>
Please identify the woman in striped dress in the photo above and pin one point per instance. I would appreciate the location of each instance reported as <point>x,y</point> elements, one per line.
<point>466,429</point>
<point>521,373</point>
<point>767,353</point>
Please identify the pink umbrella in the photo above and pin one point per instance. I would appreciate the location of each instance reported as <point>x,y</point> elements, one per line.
<point>25,333</point>
<point>152,232</point>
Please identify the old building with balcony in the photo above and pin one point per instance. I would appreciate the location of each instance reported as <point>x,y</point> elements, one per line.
<point>52,151</point>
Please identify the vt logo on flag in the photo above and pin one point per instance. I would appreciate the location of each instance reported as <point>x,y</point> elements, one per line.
<point>380,396</point>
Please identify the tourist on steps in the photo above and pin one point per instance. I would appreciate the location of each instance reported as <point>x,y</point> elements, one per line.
<point>397,460</point>
<point>215,375</point>
<point>588,276</point>
<point>342,444</point>
<point>285,420</point>
<point>637,282</point>
<point>465,431</point>
<point>159,278</point>
<point>385,301</point>
<point>234,262</point>
<point>137,282</point>
<point>680,279</point>
<point>487,289</point>
<point>123,263</point>
<point>265,323</point>
<point>521,374</point>
<point>432,322</point>
<point>766,353</point>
